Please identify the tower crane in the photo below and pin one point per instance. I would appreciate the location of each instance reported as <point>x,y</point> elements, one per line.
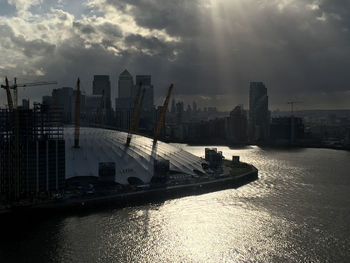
<point>16,85</point>
<point>14,103</point>
<point>15,115</point>
<point>292,103</point>
<point>8,93</point>
<point>162,115</point>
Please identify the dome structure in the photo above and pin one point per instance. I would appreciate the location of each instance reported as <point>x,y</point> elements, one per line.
<point>99,147</point>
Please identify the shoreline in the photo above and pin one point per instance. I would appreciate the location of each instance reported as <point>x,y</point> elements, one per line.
<point>134,198</point>
<point>243,146</point>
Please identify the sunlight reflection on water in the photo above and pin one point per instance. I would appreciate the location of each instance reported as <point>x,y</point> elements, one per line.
<point>297,211</point>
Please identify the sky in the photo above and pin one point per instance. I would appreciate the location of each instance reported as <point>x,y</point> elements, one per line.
<point>209,49</point>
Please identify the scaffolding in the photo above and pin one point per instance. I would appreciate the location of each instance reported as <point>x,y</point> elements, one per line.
<point>32,152</point>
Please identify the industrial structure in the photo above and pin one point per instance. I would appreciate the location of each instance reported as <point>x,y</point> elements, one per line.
<point>32,155</point>
<point>42,161</point>
<point>104,152</point>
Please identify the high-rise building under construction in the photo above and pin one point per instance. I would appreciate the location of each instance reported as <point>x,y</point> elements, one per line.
<point>32,152</point>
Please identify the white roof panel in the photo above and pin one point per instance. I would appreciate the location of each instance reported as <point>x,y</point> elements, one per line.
<point>102,145</point>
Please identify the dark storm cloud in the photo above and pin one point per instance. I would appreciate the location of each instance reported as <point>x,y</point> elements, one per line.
<point>111,30</point>
<point>337,7</point>
<point>292,49</point>
<point>299,49</point>
<point>84,29</point>
<point>177,17</point>
<point>152,45</point>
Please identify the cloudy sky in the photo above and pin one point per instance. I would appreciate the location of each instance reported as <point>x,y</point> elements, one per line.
<point>210,49</point>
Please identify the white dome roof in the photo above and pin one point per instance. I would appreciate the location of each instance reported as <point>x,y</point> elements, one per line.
<point>136,160</point>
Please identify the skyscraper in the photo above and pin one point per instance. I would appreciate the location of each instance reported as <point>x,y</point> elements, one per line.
<point>124,104</point>
<point>173,108</point>
<point>236,126</point>
<point>258,112</point>
<point>125,85</point>
<point>194,107</point>
<point>100,83</point>
<point>147,84</point>
<point>62,98</point>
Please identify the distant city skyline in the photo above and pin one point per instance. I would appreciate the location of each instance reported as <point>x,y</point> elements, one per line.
<point>200,100</point>
<point>210,50</point>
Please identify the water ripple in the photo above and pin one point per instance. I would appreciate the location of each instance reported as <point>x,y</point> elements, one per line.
<point>298,211</point>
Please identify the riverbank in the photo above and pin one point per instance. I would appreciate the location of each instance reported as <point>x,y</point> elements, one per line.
<point>137,197</point>
<point>273,146</point>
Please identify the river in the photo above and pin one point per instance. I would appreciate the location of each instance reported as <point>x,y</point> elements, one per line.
<point>298,211</point>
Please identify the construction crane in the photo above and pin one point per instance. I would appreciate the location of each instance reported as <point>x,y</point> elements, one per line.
<point>8,93</point>
<point>134,115</point>
<point>16,85</point>
<point>292,103</point>
<point>100,109</point>
<point>77,116</point>
<point>162,115</point>
<point>15,143</point>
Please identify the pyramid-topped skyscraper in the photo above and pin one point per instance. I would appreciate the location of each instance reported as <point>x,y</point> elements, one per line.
<point>125,85</point>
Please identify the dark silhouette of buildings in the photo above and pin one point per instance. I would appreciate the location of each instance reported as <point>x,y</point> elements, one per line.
<point>147,118</point>
<point>64,99</point>
<point>61,98</point>
<point>179,112</point>
<point>25,104</point>
<point>237,126</point>
<point>102,83</point>
<point>286,130</point>
<point>148,102</point>
<point>173,107</point>
<point>32,162</point>
<point>126,87</point>
<point>124,104</point>
<point>259,119</point>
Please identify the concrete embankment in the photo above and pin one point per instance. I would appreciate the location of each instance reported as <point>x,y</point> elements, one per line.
<point>139,197</point>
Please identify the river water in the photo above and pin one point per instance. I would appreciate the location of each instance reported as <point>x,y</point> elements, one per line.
<point>298,211</point>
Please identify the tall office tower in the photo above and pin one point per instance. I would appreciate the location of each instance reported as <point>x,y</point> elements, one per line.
<point>173,108</point>
<point>179,112</point>
<point>258,112</point>
<point>25,104</point>
<point>100,83</point>
<point>62,98</point>
<point>194,107</point>
<point>126,85</point>
<point>124,104</point>
<point>237,126</point>
<point>147,84</point>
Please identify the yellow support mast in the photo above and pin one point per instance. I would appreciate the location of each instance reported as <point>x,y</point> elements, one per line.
<point>162,115</point>
<point>134,115</point>
<point>77,116</point>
